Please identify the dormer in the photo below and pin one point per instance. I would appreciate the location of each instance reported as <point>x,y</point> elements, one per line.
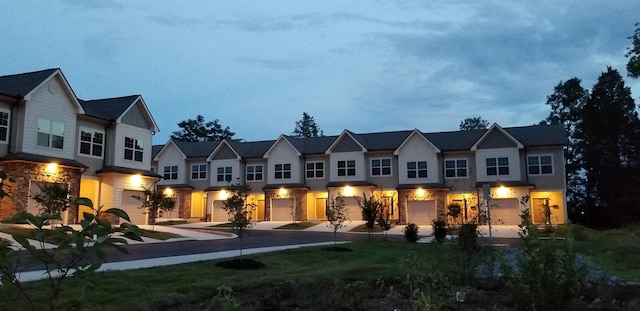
<point>497,156</point>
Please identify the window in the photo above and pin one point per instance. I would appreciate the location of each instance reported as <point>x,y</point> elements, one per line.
<point>254,172</point>
<point>347,168</point>
<point>315,169</point>
<point>497,166</point>
<point>4,126</point>
<point>417,169</point>
<point>91,142</point>
<point>170,172</point>
<point>282,171</point>
<point>539,165</point>
<point>198,171</point>
<point>50,134</point>
<point>133,149</point>
<point>224,173</point>
<point>456,168</point>
<point>381,167</point>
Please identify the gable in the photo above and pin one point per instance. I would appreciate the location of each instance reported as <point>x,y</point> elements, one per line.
<point>136,116</point>
<point>346,144</point>
<point>282,148</point>
<point>496,139</point>
<point>224,152</point>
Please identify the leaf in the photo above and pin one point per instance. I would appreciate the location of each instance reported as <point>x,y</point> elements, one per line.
<point>118,212</point>
<point>84,202</point>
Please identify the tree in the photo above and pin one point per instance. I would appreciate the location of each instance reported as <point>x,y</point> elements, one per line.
<point>633,53</point>
<point>370,210</point>
<point>307,127</point>
<point>197,129</point>
<point>336,216</point>
<point>566,104</point>
<point>155,201</point>
<point>609,133</point>
<point>52,199</point>
<point>474,123</point>
<point>239,210</point>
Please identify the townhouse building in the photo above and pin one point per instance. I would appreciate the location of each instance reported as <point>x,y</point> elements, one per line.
<point>99,149</point>
<point>415,174</point>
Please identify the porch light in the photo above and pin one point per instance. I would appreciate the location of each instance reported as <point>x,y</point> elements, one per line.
<point>283,192</point>
<point>420,192</point>
<point>224,194</point>
<point>348,191</point>
<point>136,180</point>
<point>168,192</point>
<point>502,191</point>
<point>51,168</point>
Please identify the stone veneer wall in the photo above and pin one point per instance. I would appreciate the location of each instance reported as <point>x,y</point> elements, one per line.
<point>184,202</point>
<point>24,173</point>
<point>405,195</point>
<point>300,196</point>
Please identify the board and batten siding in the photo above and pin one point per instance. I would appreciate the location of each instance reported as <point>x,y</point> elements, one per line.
<point>50,102</point>
<point>125,130</point>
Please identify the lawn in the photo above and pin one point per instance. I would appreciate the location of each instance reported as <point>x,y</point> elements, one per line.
<point>297,225</point>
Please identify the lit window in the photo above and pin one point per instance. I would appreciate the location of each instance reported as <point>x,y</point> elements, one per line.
<point>456,168</point>
<point>381,167</point>
<point>497,166</point>
<point>282,171</point>
<point>50,134</point>
<point>254,172</point>
<point>315,169</point>
<point>540,165</point>
<point>171,172</point>
<point>91,142</point>
<point>347,168</point>
<point>198,171</point>
<point>133,149</point>
<point>224,173</point>
<point>417,169</point>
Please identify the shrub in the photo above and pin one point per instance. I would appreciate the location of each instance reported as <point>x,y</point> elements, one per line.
<point>439,230</point>
<point>411,232</point>
<point>370,209</point>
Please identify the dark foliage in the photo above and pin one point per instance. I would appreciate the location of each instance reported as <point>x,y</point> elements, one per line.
<point>241,264</point>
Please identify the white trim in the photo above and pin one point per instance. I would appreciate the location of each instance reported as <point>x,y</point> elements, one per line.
<point>93,132</point>
<point>206,171</point>
<point>246,173</point>
<point>315,170</point>
<point>381,167</point>
<point>539,155</point>
<point>455,168</point>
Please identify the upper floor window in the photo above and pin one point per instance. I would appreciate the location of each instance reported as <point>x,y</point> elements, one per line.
<point>224,173</point>
<point>315,169</point>
<point>456,168</point>
<point>199,171</point>
<point>417,169</point>
<point>347,168</point>
<point>254,172</point>
<point>91,142</point>
<point>282,171</point>
<point>381,167</point>
<point>4,126</point>
<point>50,134</point>
<point>170,172</point>
<point>539,165</point>
<point>497,166</point>
<point>133,149</point>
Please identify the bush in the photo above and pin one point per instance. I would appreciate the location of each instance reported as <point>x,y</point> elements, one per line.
<point>411,232</point>
<point>439,230</point>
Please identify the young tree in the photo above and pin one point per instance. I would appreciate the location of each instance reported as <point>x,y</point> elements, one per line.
<point>52,199</point>
<point>155,201</point>
<point>474,123</point>
<point>370,210</point>
<point>609,133</point>
<point>307,127</point>
<point>197,129</point>
<point>336,216</point>
<point>239,210</point>
<point>633,53</point>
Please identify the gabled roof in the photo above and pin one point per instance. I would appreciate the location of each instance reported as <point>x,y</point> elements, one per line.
<point>540,135</point>
<point>453,141</point>
<point>23,84</point>
<point>196,149</point>
<point>345,133</point>
<point>496,127</point>
<point>287,141</point>
<point>415,132</point>
<point>165,147</point>
<point>113,109</point>
<point>382,140</point>
<point>223,143</point>
<point>312,145</point>
<point>255,149</point>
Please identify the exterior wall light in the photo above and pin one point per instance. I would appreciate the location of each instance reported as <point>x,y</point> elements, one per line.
<point>420,192</point>
<point>51,169</point>
<point>168,192</point>
<point>348,191</point>
<point>282,192</point>
<point>136,180</point>
<point>502,191</point>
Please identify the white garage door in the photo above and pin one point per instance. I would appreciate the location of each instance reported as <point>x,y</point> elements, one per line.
<point>421,212</point>
<point>282,209</point>
<point>352,209</point>
<point>130,205</point>
<point>505,212</point>
<point>219,214</point>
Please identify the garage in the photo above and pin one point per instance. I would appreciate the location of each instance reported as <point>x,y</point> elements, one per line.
<point>421,213</point>
<point>219,214</point>
<point>131,205</point>
<point>282,209</point>
<point>505,212</point>
<point>352,209</point>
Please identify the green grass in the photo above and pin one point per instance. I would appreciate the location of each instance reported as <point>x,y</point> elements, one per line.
<point>297,225</point>
<point>224,225</point>
<point>159,235</point>
<point>363,228</point>
<point>171,223</point>
<point>27,233</point>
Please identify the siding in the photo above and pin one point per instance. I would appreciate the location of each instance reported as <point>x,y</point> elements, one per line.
<point>171,156</point>
<point>418,149</point>
<point>361,167</point>
<point>94,163</point>
<point>144,135</point>
<point>496,139</point>
<point>514,164</point>
<point>136,117</point>
<point>283,153</point>
<point>346,144</point>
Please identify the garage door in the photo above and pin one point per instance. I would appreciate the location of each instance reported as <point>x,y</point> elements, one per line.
<point>421,212</point>
<point>282,209</point>
<point>505,212</point>
<point>352,209</point>
<point>219,214</point>
<point>130,205</point>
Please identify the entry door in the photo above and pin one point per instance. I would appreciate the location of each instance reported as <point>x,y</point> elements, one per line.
<point>321,208</point>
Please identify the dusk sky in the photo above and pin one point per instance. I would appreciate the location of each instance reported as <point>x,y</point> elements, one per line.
<point>366,66</point>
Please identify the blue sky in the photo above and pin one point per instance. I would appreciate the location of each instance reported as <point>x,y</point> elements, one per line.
<point>366,66</point>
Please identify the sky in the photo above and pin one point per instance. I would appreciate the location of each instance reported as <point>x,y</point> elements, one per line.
<point>365,66</point>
